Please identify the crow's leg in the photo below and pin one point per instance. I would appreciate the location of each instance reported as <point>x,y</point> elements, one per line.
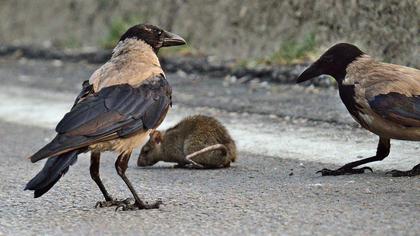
<point>94,173</point>
<point>121,166</point>
<point>399,173</point>
<point>382,151</point>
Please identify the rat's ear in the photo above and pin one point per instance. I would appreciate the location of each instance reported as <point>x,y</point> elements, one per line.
<point>156,136</point>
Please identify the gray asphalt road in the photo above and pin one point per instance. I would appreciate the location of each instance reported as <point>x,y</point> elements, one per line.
<point>258,195</point>
<point>270,190</point>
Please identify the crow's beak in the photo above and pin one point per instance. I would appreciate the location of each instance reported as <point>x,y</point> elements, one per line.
<point>311,72</point>
<point>172,39</point>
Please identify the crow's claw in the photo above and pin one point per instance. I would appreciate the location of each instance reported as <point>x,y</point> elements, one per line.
<point>138,206</point>
<point>343,171</point>
<point>400,173</point>
<point>413,172</point>
<point>113,203</point>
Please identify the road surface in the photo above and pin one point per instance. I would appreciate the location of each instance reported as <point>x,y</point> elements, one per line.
<point>285,133</point>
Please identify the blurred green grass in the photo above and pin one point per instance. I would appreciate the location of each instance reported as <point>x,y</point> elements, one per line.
<point>295,51</point>
<point>290,52</point>
<point>117,28</point>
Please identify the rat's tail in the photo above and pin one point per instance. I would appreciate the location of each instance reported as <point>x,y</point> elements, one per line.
<point>214,160</point>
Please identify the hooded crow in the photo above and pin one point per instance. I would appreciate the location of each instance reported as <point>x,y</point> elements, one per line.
<point>383,98</point>
<point>123,101</point>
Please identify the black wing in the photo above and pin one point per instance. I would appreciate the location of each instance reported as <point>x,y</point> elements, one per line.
<point>397,108</point>
<point>115,111</point>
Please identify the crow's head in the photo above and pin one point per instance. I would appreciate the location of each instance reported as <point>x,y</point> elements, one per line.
<point>153,35</point>
<point>333,62</point>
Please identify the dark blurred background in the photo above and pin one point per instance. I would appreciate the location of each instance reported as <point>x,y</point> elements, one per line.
<point>252,32</point>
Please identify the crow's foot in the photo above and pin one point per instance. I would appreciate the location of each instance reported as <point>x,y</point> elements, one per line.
<point>407,173</point>
<point>343,171</point>
<point>139,206</point>
<point>399,173</point>
<point>113,202</point>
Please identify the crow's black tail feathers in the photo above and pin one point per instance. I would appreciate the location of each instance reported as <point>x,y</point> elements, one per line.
<point>54,168</point>
<point>58,144</point>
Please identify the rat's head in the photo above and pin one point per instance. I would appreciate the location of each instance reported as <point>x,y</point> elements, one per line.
<point>153,35</point>
<point>151,152</point>
<point>333,62</point>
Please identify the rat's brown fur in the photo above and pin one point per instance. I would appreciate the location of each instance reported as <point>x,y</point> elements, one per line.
<point>190,135</point>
